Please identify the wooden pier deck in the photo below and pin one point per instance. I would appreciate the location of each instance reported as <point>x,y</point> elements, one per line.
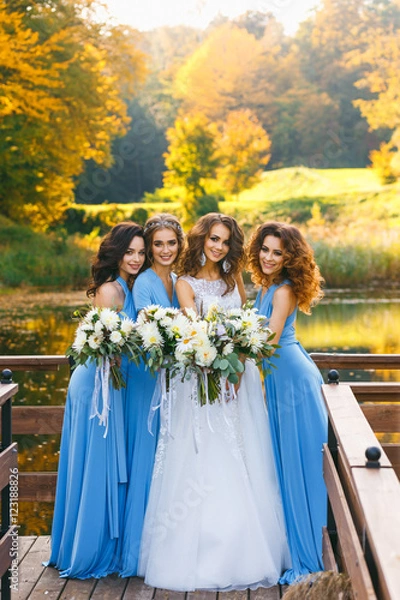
<point>37,582</point>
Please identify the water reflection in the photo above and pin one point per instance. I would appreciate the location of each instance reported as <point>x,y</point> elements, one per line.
<point>43,324</point>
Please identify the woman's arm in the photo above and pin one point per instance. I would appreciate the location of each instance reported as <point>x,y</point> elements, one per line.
<point>110,295</point>
<point>283,304</point>
<point>185,294</point>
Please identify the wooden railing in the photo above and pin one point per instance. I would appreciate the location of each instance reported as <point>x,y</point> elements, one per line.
<point>8,486</point>
<point>47,420</point>
<point>363,534</point>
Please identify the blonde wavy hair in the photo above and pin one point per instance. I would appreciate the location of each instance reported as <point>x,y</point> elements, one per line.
<point>299,265</point>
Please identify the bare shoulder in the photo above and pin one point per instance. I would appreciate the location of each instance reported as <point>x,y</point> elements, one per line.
<point>183,286</point>
<point>110,295</point>
<point>284,296</point>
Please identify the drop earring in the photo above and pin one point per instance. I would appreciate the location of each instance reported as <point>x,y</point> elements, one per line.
<point>203,259</point>
<point>226,266</point>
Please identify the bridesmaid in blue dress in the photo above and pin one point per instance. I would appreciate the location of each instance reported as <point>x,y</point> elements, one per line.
<point>92,473</point>
<point>164,240</point>
<point>282,262</point>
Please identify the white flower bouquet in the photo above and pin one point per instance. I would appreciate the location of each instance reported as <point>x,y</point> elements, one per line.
<point>242,333</point>
<point>103,336</point>
<point>210,347</point>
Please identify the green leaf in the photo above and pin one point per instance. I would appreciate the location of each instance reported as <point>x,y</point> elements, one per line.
<point>224,364</point>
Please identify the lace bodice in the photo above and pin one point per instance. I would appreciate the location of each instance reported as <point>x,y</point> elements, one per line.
<point>211,292</point>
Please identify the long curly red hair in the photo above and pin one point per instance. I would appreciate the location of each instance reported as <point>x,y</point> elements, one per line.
<point>299,265</point>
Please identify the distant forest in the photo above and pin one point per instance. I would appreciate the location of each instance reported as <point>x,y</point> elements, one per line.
<point>314,93</point>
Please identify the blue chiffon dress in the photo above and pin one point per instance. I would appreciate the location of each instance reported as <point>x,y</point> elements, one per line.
<point>141,444</point>
<point>299,427</point>
<point>92,478</point>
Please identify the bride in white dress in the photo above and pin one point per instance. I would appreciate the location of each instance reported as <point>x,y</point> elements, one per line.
<point>214,519</point>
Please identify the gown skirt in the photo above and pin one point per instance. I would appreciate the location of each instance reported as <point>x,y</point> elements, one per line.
<point>299,428</point>
<point>91,484</point>
<point>92,477</point>
<point>215,519</point>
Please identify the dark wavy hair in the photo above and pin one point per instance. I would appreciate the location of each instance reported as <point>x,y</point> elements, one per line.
<point>113,246</point>
<point>299,265</point>
<point>190,262</point>
<point>162,221</point>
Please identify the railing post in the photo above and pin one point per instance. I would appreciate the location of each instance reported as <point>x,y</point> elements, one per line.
<point>6,441</point>
<point>333,379</point>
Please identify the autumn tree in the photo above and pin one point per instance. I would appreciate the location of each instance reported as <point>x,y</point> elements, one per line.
<point>191,156</point>
<point>63,79</point>
<point>381,61</point>
<point>217,77</point>
<point>243,147</point>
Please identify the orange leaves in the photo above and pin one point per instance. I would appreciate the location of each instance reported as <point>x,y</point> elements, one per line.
<point>216,77</point>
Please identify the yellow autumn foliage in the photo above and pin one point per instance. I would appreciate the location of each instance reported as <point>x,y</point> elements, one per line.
<point>62,101</point>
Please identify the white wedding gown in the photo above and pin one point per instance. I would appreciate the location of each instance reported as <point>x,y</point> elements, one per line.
<point>214,519</point>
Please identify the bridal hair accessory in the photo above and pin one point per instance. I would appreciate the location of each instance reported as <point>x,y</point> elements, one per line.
<point>226,266</point>
<point>203,259</point>
<point>161,225</point>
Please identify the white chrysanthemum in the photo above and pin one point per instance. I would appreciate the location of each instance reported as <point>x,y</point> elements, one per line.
<point>150,335</point>
<point>228,349</point>
<point>255,342</point>
<point>127,326</point>
<point>80,340</point>
<point>166,322</point>
<point>181,357</point>
<point>160,314</point>
<point>86,326</point>
<point>185,344</point>
<point>205,356</point>
<point>179,326</point>
<point>94,341</point>
<point>191,314</point>
<point>110,318</point>
<point>141,318</point>
<point>250,320</point>
<point>89,315</point>
<point>202,340</point>
<point>98,328</point>
<point>116,338</point>
<point>152,309</point>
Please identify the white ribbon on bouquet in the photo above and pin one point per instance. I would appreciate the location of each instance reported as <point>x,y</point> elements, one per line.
<point>101,389</point>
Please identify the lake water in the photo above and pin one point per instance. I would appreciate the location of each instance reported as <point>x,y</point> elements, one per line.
<point>42,324</point>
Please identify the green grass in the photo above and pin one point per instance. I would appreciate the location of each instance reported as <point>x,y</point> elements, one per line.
<point>28,258</point>
<point>350,218</point>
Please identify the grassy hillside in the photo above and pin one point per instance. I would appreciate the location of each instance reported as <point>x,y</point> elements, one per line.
<point>350,218</point>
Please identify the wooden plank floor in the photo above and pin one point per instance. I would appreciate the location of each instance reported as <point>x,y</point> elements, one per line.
<point>37,582</point>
